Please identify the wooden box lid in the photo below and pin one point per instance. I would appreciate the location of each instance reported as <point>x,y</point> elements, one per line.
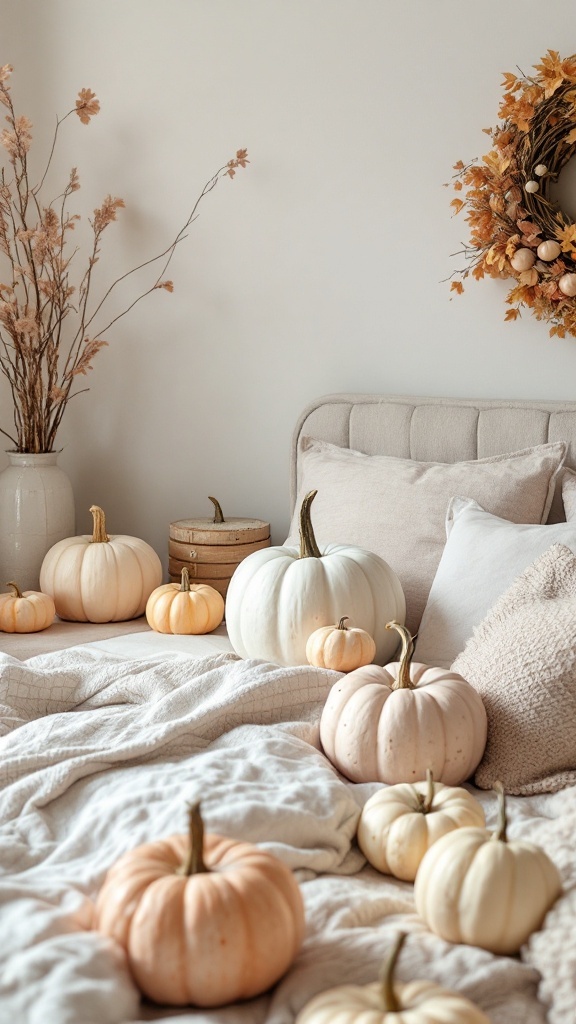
<point>218,530</point>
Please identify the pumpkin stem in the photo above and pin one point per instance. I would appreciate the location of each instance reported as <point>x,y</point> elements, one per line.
<point>342,621</point>
<point>308,545</point>
<point>17,591</point>
<point>99,535</point>
<point>390,1003</point>
<point>501,826</point>
<point>185,579</point>
<point>193,864</point>
<point>218,514</point>
<point>429,798</point>
<point>403,681</point>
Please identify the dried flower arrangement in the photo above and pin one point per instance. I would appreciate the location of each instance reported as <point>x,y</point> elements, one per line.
<point>49,330</point>
<point>515,229</point>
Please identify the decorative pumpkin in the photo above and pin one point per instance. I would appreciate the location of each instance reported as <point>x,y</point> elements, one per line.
<point>399,823</point>
<point>390,724</point>
<point>26,612</point>
<point>203,919</point>
<point>389,1002</point>
<point>340,647</point>
<point>183,608</point>
<point>100,578</point>
<point>474,886</point>
<point>278,596</point>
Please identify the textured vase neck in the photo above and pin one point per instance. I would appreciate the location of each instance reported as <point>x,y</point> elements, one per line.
<point>32,459</point>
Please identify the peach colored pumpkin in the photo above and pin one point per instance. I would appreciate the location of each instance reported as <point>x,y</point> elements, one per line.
<point>398,824</point>
<point>203,919</point>
<point>390,1002</point>
<point>342,648</point>
<point>390,724</point>
<point>100,578</point>
<point>185,608</point>
<point>26,612</point>
<point>476,887</point>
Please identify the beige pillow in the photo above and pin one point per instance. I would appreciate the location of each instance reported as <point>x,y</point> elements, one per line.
<point>397,507</point>
<point>522,661</point>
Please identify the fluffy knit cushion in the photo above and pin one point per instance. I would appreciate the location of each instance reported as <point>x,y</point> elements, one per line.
<point>522,661</point>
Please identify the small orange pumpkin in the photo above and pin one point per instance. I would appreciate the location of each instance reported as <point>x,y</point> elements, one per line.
<point>203,919</point>
<point>185,608</point>
<point>340,647</point>
<point>25,612</point>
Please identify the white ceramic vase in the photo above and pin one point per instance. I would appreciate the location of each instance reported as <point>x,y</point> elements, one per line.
<point>36,510</point>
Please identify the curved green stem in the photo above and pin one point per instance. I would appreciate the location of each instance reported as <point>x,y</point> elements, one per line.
<point>193,863</point>
<point>218,514</point>
<point>428,800</point>
<point>308,546</point>
<point>501,825</point>
<point>99,535</point>
<point>403,681</point>
<point>390,1002</point>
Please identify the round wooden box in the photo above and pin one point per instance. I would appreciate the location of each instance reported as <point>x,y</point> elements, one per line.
<point>212,548</point>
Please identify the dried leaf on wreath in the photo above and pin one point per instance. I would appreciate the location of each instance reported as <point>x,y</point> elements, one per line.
<point>457,204</point>
<point>512,314</point>
<point>567,237</point>
<point>528,277</point>
<point>457,287</point>
<point>570,138</point>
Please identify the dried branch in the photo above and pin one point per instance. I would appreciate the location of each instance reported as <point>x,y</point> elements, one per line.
<point>47,341</point>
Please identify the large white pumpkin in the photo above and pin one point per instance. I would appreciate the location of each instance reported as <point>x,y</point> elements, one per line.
<point>100,578</point>
<point>475,887</point>
<point>278,596</point>
<point>391,724</point>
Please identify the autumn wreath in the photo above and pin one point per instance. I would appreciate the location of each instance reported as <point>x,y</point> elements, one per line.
<point>516,230</point>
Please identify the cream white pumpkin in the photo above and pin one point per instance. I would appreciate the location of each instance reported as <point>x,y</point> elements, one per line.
<point>476,887</point>
<point>340,647</point>
<point>390,724</point>
<point>25,612</point>
<point>100,578</point>
<point>390,1002</point>
<point>278,596</point>
<point>400,823</point>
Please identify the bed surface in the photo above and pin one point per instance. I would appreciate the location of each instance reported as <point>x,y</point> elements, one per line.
<point>161,721</point>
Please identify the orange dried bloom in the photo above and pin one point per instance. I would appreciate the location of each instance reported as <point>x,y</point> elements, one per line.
<point>87,105</point>
<point>105,214</point>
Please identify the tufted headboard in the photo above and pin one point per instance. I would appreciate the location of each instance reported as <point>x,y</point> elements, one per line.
<point>436,429</point>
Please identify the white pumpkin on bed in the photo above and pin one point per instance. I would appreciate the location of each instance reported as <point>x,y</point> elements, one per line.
<point>279,596</point>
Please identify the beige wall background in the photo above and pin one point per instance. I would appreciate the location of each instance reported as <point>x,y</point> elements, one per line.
<point>318,269</point>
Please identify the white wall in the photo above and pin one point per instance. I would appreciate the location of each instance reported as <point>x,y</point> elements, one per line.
<point>318,269</point>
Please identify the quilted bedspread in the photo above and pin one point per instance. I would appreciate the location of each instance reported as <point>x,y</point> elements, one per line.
<point>99,754</point>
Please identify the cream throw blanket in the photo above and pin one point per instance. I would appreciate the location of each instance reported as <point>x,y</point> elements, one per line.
<point>99,754</point>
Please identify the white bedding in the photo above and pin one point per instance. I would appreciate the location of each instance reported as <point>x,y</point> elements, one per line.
<point>100,753</point>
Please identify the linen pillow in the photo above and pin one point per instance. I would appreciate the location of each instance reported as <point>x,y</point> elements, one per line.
<point>482,557</point>
<point>397,507</point>
<point>522,661</point>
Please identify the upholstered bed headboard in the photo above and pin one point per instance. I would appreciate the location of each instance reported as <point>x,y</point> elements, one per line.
<point>435,429</point>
